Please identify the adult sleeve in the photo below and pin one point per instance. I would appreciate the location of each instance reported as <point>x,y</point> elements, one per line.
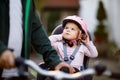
<point>42,44</point>
<point>3,48</point>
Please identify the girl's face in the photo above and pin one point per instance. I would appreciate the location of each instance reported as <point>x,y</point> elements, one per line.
<point>71,31</point>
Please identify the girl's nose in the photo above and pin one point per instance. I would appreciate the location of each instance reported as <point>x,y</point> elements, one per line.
<point>68,30</point>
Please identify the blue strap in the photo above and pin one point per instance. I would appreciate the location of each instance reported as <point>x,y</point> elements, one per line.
<point>65,52</point>
<point>73,54</point>
<point>82,68</point>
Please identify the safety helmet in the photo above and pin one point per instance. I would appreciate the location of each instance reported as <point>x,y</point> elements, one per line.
<point>77,20</point>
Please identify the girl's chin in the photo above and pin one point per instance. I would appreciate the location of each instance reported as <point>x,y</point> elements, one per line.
<point>68,38</point>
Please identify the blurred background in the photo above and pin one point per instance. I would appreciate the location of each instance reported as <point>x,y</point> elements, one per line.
<point>102,18</point>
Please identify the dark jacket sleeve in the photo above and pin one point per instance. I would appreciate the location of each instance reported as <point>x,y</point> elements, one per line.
<point>2,47</point>
<point>42,44</point>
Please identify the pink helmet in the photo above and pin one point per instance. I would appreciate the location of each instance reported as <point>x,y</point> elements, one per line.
<point>77,20</point>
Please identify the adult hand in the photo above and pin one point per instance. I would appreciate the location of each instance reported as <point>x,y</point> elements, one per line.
<point>63,64</point>
<point>7,59</point>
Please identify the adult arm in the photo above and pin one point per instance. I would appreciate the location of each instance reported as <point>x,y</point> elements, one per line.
<point>2,47</point>
<point>42,44</point>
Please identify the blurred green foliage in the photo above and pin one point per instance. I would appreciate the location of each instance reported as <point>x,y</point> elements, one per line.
<point>101,13</point>
<point>105,47</point>
<point>101,33</point>
<point>53,20</point>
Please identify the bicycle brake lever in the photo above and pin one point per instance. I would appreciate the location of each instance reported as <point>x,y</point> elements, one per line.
<point>20,64</point>
<point>100,68</point>
<point>19,61</point>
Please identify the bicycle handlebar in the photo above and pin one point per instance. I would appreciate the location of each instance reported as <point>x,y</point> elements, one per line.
<point>98,70</point>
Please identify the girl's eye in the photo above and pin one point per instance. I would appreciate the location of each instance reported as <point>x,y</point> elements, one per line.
<point>66,27</point>
<point>72,29</point>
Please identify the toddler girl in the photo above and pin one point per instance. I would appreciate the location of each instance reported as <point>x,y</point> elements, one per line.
<point>74,42</point>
